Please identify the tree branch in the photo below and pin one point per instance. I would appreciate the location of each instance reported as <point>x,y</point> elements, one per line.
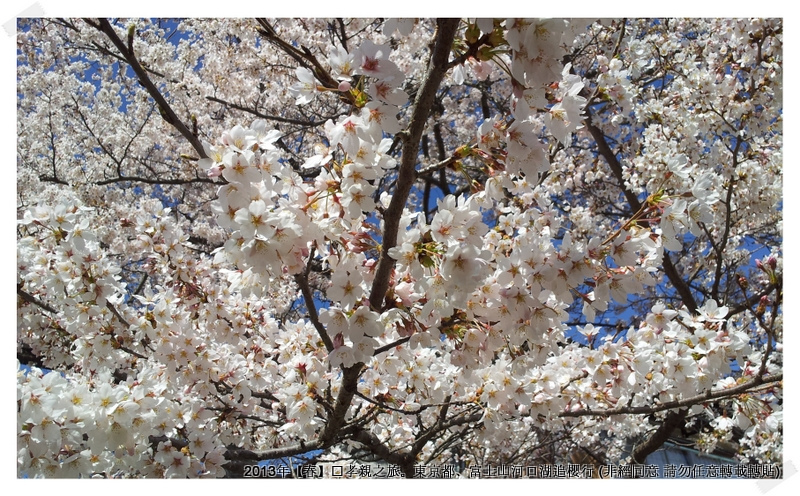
<point>156,181</point>
<point>144,79</point>
<point>658,438</point>
<point>725,235</point>
<point>31,299</point>
<point>616,169</point>
<point>391,345</point>
<point>349,386</point>
<point>669,405</point>
<point>302,282</point>
<point>445,33</point>
<point>265,116</point>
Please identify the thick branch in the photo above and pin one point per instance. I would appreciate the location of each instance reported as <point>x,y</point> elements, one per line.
<point>434,430</point>
<point>374,445</point>
<point>655,440</point>
<point>243,455</point>
<point>327,438</point>
<point>613,163</point>
<point>422,105</point>
<point>445,32</point>
<point>144,79</point>
<point>348,389</point>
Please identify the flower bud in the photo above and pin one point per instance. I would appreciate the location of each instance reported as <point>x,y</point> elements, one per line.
<point>214,171</point>
<point>762,305</point>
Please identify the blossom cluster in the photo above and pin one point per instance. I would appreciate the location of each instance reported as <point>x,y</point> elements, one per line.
<point>589,230</point>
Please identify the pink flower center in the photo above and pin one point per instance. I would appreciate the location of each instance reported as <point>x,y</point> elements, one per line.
<point>370,64</point>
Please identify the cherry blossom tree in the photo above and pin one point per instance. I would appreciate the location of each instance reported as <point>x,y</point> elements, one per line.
<point>425,242</point>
